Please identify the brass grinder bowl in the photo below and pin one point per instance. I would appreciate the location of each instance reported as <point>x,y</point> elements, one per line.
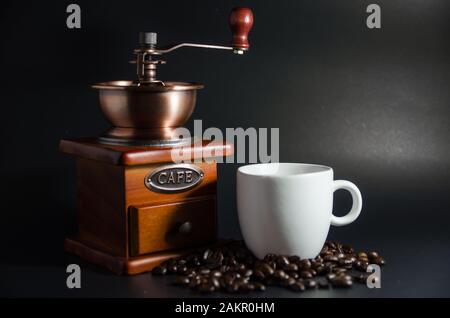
<point>144,114</point>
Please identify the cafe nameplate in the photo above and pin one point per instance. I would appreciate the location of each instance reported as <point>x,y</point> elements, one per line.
<point>174,178</point>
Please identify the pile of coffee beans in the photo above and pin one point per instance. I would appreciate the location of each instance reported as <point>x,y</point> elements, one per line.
<point>232,268</point>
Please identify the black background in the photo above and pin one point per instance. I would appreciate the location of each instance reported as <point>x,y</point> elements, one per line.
<point>373,104</point>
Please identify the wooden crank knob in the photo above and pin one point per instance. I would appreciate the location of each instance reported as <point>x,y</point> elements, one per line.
<point>241,22</point>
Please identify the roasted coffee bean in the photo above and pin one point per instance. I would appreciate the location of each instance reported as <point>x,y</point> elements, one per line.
<point>280,274</point>
<point>339,270</point>
<point>228,280</point>
<point>282,261</point>
<point>291,267</point>
<point>182,269</point>
<point>216,273</point>
<point>305,264</point>
<point>240,268</point>
<point>361,278</point>
<point>329,267</point>
<point>344,276</point>
<point>321,270</point>
<point>306,274</point>
<point>232,261</point>
<point>172,268</point>
<point>331,276</point>
<point>351,258</point>
<point>247,273</point>
<point>293,275</point>
<point>232,268</point>
<point>315,264</point>
<point>379,260</point>
<point>298,287</point>
<point>331,258</point>
<point>259,286</point>
<point>204,271</point>
<point>159,270</point>
<point>181,262</point>
<point>267,269</point>
<point>364,260</point>
<point>331,245</point>
<point>318,259</point>
<point>198,262</point>
<point>347,261</point>
<point>249,287</point>
<point>361,265</point>
<point>206,254</point>
<point>310,284</point>
<point>230,276</point>
<point>182,280</point>
<point>372,255</point>
<point>289,281</point>
<point>215,282</point>
<point>362,255</point>
<point>191,274</point>
<point>224,268</point>
<point>259,274</point>
<point>341,282</point>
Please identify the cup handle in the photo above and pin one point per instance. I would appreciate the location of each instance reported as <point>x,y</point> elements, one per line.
<point>356,205</point>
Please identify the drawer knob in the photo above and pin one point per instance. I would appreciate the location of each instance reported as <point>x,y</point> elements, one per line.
<point>185,228</point>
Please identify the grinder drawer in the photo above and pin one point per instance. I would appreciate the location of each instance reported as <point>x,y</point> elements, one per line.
<point>170,226</point>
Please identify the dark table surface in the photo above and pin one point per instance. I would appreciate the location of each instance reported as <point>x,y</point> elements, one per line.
<point>416,250</point>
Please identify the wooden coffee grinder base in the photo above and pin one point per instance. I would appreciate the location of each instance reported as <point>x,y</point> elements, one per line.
<point>136,208</point>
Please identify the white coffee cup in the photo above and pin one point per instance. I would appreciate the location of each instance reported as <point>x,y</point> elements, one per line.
<point>286,208</point>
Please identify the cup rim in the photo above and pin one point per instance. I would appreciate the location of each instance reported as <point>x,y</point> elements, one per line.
<point>323,169</point>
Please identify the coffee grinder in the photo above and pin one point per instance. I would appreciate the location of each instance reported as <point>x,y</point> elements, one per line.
<point>136,207</point>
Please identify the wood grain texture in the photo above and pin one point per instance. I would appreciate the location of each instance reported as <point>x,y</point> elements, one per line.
<point>116,264</point>
<point>102,218</point>
<point>156,228</point>
<point>89,148</point>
